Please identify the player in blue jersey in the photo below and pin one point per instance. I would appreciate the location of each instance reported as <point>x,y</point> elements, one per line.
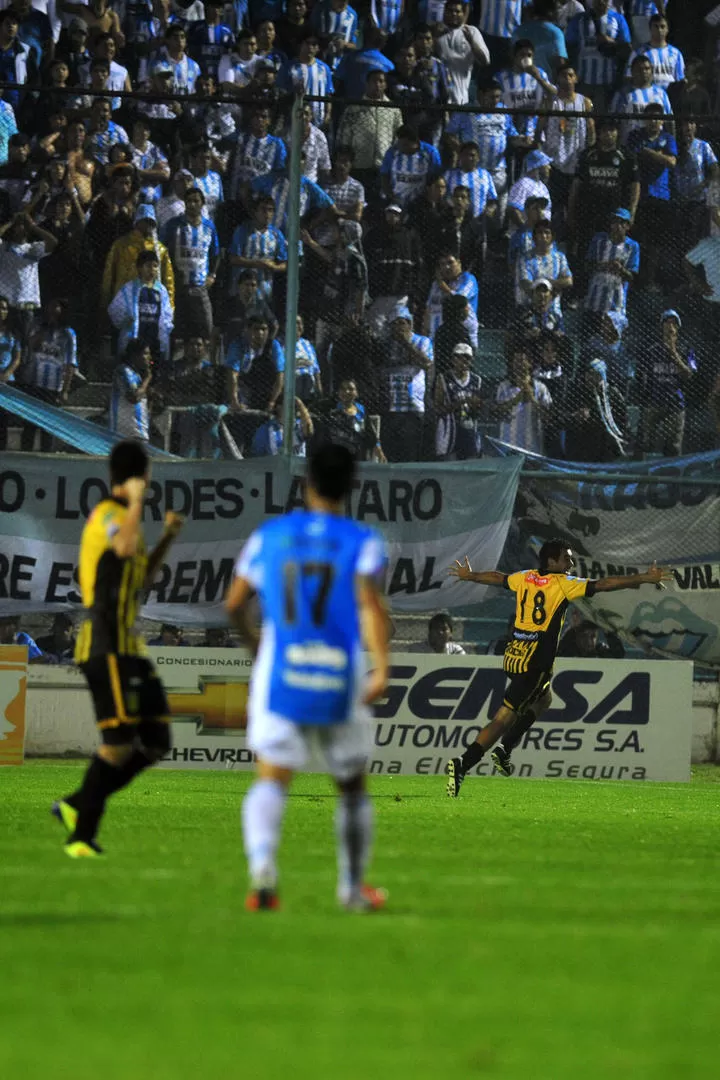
<point>316,575</point>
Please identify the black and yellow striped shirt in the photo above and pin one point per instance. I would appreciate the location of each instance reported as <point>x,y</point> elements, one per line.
<point>540,606</point>
<point>110,587</point>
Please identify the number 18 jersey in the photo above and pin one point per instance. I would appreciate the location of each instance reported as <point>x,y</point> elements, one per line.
<point>540,606</point>
<point>304,568</point>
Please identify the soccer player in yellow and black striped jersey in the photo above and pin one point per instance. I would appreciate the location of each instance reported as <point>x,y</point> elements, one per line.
<point>130,705</point>
<point>541,600</point>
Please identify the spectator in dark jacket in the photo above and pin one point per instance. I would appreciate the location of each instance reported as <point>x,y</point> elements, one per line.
<point>584,643</point>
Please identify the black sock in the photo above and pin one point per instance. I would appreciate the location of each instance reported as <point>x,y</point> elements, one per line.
<point>514,736</point>
<point>101,780</point>
<point>472,756</point>
<point>123,774</point>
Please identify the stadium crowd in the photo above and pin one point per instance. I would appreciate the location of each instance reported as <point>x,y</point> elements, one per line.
<point>518,268</point>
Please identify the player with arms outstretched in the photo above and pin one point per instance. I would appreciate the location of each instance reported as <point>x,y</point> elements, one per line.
<point>541,600</point>
<point>130,706</point>
<point>317,577</point>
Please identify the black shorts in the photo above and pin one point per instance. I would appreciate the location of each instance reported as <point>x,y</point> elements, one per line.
<point>524,690</point>
<point>128,698</point>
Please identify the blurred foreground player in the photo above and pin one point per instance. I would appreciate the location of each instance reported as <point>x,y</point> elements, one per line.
<point>130,706</point>
<point>542,597</point>
<point>317,577</point>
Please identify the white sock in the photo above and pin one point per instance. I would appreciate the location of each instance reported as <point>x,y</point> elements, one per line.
<point>262,814</point>
<point>353,829</point>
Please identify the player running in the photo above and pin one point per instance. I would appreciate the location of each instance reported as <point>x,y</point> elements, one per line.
<point>130,706</point>
<point>316,575</point>
<point>542,597</point>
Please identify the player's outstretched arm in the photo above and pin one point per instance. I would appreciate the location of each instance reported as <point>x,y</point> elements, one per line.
<point>237,605</point>
<point>656,575</point>
<point>173,524</point>
<point>464,572</point>
<point>376,629</point>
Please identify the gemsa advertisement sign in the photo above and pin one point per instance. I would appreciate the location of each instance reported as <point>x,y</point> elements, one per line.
<point>610,720</point>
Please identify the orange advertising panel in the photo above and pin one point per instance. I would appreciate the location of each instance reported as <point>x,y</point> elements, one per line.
<point>13,690</point>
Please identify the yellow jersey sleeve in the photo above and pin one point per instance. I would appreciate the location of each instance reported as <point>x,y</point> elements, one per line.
<point>108,518</point>
<point>574,587</point>
<point>514,581</point>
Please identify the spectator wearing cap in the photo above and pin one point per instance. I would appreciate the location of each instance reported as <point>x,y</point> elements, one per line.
<point>141,309</point>
<point>316,163</point>
<point>524,85</point>
<point>642,91</point>
<point>565,138</point>
<point>259,245</point>
<point>668,64</point>
<point>665,372</point>
<point>406,374</point>
<point>395,266</point>
<point>151,164</point>
<point>612,262</point>
<point>493,131</point>
<point>457,407</point>
<point>103,132</point>
<point>539,320</point>
<point>72,47</point>
<point>121,262</point>
<point>656,151</point>
<point>206,179</point>
<point>478,181</point>
<point>192,242</point>
<point>696,170</point>
<point>534,182</point>
<point>544,261</point>
<point>209,39</point>
<point>408,166</point>
<point>450,279</point>
<point>460,47</point>
<point>308,74</point>
<point>599,44</point>
<point>163,115</point>
<point>257,154</point>
<point>523,403</point>
<point>607,177</point>
<point>17,62</point>
<point>369,131</point>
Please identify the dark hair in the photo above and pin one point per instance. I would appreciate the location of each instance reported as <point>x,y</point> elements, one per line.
<point>128,459</point>
<point>440,618</point>
<point>331,471</point>
<point>470,144</point>
<point>133,350</point>
<point>587,624</point>
<point>195,191</point>
<point>523,43</point>
<point>566,65</point>
<point>551,549</point>
<point>408,131</point>
<point>641,58</point>
<point>656,18</point>
<point>8,15</point>
<point>345,151</point>
<point>653,109</point>
<point>19,139</point>
<point>147,257</point>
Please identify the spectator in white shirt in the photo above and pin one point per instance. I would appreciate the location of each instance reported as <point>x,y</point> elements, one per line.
<point>440,637</point>
<point>316,154</point>
<point>523,403</point>
<point>460,47</point>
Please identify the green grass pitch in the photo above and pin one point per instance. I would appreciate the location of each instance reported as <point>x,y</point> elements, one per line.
<point>536,931</point>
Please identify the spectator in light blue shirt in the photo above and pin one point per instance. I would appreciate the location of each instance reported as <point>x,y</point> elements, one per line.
<point>11,634</point>
<point>656,152</point>
<point>697,167</point>
<point>8,127</point>
<point>547,38</point>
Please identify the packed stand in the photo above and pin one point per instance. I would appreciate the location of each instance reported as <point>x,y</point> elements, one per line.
<point>541,267</point>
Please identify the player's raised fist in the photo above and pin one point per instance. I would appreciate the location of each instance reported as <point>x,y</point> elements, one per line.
<point>135,488</point>
<point>173,522</point>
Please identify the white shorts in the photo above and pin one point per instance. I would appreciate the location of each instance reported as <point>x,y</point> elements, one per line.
<point>345,747</point>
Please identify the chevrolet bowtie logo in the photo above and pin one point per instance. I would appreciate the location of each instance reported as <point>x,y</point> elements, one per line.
<point>216,706</point>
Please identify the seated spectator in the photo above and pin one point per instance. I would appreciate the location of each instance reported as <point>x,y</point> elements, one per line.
<point>194,248</point>
<point>48,368</point>
<point>594,420</point>
<point>450,279</point>
<point>533,183</point>
<point>523,403</point>
<point>22,245</point>
<point>440,637</point>
<point>308,383</point>
<point>129,413</point>
<point>141,309</point>
<point>408,364</point>
<point>315,151</point>
<point>269,437</point>
<point>665,374</point>
<point>10,632</point>
<point>483,196</point>
<point>169,637</point>
<point>121,263</point>
<point>408,166</point>
<point>457,407</point>
<point>613,262</point>
<point>584,642</point>
<point>10,357</point>
<point>60,642</point>
<point>545,261</point>
<point>260,246</point>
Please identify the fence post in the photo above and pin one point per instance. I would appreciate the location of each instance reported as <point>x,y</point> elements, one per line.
<point>293,273</point>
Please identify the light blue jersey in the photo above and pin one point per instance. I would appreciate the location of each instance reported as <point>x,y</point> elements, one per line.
<point>500,18</point>
<point>480,185</point>
<point>304,568</point>
<point>314,79</point>
<point>192,248</point>
<point>251,243</point>
<point>343,24</point>
<point>409,173</point>
<point>667,63</point>
<point>490,133</point>
<point>595,69</point>
<point>128,418</point>
<point>607,291</point>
